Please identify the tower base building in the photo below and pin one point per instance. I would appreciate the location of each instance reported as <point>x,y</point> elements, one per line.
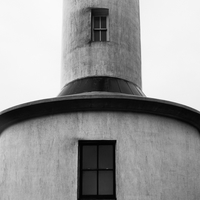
<point>101,138</point>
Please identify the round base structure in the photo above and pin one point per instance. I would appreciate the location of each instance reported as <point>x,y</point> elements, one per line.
<point>157,147</point>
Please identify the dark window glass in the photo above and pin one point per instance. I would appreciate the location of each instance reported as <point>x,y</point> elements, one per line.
<point>89,186</point>
<point>96,35</point>
<point>89,157</point>
<point>103,35</point>
<point>114,86</point>
<point>89,85</point>
<point>98,84</point>
<point>97,169</point>
<point>96,22</point>
<point>68,89</point>
<point>106,157</point>
<point>105,182</point>
<point>124,87</point>
<point>140,91</point>
<point>103,22</point>
<point>80,86</point>
<point>134,89</point>
<point>106,83</point>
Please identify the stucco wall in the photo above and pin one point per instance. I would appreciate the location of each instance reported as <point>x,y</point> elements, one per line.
<point>119,57</point>
<point>156,158</point>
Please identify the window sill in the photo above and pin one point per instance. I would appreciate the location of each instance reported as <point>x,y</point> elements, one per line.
<point>96,199</point>
<point>99,41</point>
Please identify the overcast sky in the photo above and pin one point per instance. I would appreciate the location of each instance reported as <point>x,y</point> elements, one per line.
<point>30,50</point>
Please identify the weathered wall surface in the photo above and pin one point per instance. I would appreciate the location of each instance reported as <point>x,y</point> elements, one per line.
<point>119,57</point>
<point>156,157</point>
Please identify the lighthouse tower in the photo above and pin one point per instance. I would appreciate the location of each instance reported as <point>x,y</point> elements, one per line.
<point>101,138</point>
<point>101,47</point>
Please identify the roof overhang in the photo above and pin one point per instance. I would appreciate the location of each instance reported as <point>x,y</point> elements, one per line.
<point>99,101</point>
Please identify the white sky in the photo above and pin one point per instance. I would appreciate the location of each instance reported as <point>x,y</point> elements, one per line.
<point>30,50</point>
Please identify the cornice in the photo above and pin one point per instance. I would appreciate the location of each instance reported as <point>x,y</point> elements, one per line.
<point>99,101</point>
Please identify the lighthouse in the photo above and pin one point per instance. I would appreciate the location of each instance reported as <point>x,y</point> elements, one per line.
<point>101,137</point>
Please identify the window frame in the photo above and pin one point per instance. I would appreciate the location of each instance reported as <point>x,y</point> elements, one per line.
<point>101,12</point>
<point>81,170</point>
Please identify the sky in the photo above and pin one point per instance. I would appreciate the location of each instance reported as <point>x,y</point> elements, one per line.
<point>30,50</point>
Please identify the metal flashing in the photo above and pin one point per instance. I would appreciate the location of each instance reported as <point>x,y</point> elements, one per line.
<point>101,84</point>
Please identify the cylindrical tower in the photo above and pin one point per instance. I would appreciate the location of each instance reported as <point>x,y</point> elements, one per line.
<point>101,38</point>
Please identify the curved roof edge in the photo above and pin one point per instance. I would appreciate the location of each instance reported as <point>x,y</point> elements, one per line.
<point>95,101</point>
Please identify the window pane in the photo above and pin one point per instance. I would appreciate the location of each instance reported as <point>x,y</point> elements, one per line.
<point>103,35</point>
<point>96,22</point>
<point>114,86</point>
<point>89,157</point>
<point>96,35</point>
<point>106,157</point>
<point>124,87</point>
<point>89,183</point>
<point>134,89</point>
<point>97,84</point>
<point>106,183</point>
<point>103,22</point>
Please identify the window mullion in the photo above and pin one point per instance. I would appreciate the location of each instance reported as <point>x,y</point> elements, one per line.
<point>81,172</point>
<point>93,28</point>
<point>114,189</point>
<point>97,169</point>
<point>100,27</point>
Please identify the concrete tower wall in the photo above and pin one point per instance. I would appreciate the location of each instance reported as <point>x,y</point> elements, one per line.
<point>118,57</point>
<point>156,157</point>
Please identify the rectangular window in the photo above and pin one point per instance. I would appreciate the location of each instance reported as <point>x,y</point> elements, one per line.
<point>100,24</point>
<point>97,169</point>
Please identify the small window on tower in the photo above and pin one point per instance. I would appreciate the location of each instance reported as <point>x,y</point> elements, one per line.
<point>100,24</point>
<point>97,170</point>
